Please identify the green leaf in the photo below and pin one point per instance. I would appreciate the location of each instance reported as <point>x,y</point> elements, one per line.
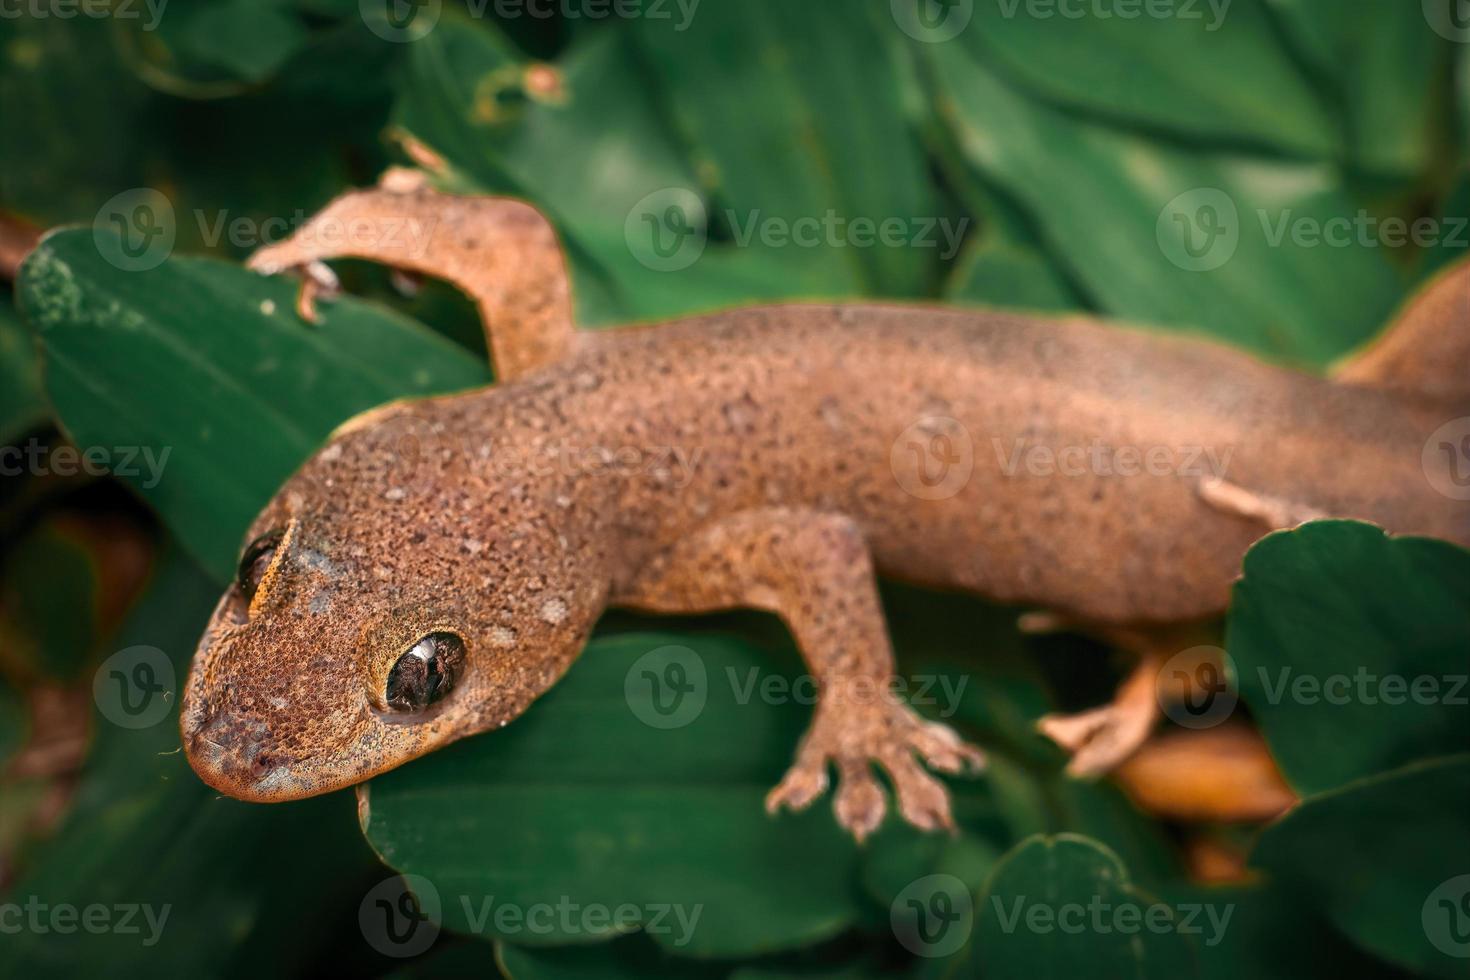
<point>207,371</point>
<point>599,158</point>
<point>246,38</point>
<point>1271,935</point>
<point>1162,234</point>
<point>630,958</point>
<point>782,127</point>
<point>54,73</point>
<point>1386,68</point>
<point>222,880</point>
<point>992,272</point>
<point>22,403</point>
<point>582,803</point>
<point>1062,907</point>
<point>1385,859</point>
<point>1351,649</point>
<point>1453,243</point>
<point>1164,72</point>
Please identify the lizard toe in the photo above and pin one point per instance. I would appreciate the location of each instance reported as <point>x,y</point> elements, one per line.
<point>922,800</point>
<point>860,804</point>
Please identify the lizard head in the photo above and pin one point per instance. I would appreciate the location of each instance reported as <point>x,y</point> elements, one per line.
<point>390,599</point>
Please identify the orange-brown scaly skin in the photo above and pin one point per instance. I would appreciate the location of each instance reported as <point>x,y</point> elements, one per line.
<point>767,458</point>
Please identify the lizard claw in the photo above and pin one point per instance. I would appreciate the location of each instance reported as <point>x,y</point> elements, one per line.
<point>893,736</point>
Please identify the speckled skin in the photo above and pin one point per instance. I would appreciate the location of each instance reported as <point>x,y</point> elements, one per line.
<point>768,458</point>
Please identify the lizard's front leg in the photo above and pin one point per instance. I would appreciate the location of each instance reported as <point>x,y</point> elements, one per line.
<point>814,571</point>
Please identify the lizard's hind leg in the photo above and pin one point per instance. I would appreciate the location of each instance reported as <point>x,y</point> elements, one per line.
<point>501,252</point>
<point>1100,739</point>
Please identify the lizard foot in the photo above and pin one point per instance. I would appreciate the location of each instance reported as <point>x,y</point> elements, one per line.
<point>1100,739</point>
<point>891,735</point>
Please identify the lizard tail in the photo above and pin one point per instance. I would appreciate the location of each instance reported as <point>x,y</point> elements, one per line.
<point>1425,352</point>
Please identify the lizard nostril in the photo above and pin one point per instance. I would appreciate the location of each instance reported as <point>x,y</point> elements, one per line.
<point>261,764</point>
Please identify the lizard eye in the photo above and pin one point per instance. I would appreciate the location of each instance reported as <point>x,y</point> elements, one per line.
<point>426,673</point>
<point>257,558</point>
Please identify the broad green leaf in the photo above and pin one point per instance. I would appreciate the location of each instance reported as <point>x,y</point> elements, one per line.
<point>784,125</point>
<point>1062,907</point>
<point>1214,69</point>
<point>998,273</point>
<point>584,802</point>
<point>248,40</point>
<point>225,882</point>
<point>450,960</point>
<point>1271,934</point>
<point>1386,68</point>
<point>53,73</point>
<point>209,364</point>
<point>1352,648</point>
<point>599,158</point>
<point>1453,242</point>
<point>22,403</point>
<point>1462,101</point>
<point>898,853</point>
<point>1158,233</point>
<point>629,958</point>
<point>1385,858</point>
<point>235,168</point>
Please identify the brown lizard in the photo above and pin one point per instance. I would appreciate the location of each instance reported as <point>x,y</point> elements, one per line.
<point>439,563</point>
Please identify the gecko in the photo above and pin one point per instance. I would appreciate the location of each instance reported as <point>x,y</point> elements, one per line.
<point>439,563</point>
